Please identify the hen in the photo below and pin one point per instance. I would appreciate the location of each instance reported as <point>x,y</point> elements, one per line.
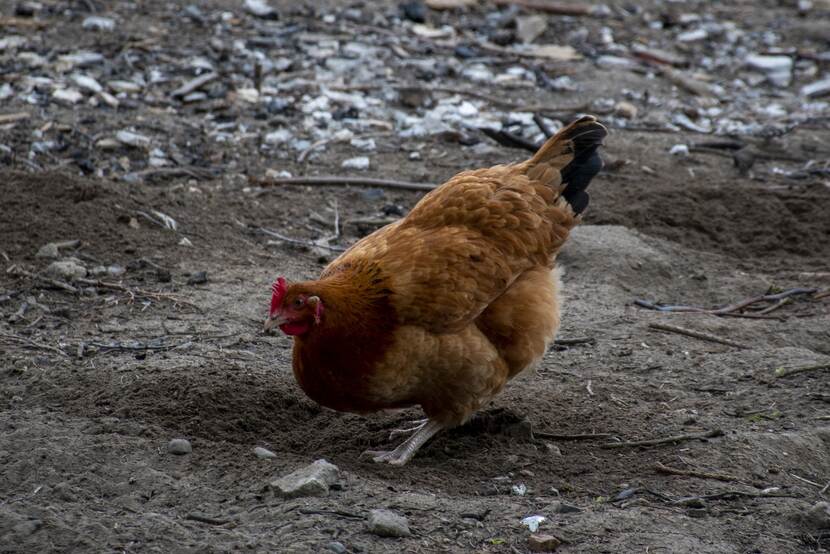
<point>443,307</point>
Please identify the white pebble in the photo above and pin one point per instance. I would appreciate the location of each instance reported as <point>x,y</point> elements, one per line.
<point>360,162</point>
<point>680,150</point>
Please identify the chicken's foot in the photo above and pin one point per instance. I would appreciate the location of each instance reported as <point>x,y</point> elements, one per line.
<point>412,427</point>
<point>404,452</point>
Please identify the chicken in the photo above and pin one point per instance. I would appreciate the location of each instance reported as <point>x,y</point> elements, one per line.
<point>443,307</point>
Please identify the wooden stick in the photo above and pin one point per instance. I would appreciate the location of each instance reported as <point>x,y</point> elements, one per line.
<point>666,440</point>
<point>307,243</point>
<point>578,437</point>
<point>660,468</point>
<point>13,117</point>
<point>34,344</point>
<point>696,334</point>
<point>574,341</point>
<point>556,8</point>
<point>785,372</point>
<point>14,270</point>
<point>334,180</point>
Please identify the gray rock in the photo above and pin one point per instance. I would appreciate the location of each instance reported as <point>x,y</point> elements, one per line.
<point>87,83</point>
<point>124,86</point>
<point>817,88</point>
<point>98,23</point>
<point>69,269</point>
<point>384,523</point>
<point>67,96</point>
<point>312,480</point>
<point>778,69</point>
<point>132,139</point>
<point>179,447</point>
<point>336,547</point>
<point>360,162</point>
<point>264,453</point>
<point>818,515</point>
<point>260,8</point>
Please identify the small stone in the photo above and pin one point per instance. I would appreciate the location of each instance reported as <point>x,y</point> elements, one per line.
<point>778,69</point>
<point>519,490</point>
<point>264,453</point>
<point>132,139</point>
<point>67,96</point>
<point>250,95</point>
<point>280,136</point>
<point>360,162</point>
<point>80,59</point>
<point>819,515</point>
<point>533,522</point>
<point>415,10</point>
<point>312,480</point>
<point>124,86</point>
<point>543,543</point>
<point>818,88</point>
<point>384,523</point>
<point>260,8</point>
<point>530,27</point>
<point>179,447</point>
<point>693,36</point>
<point>553,449</point>
<point>86,82</point>
<point>626,110</point>
<point>365,144</point>
<point>98,23</point>
<point>679,150</point>
<point>336,547</point>
<point>198,278</point>
<point>49,250</point>
<point>27,9</point>
<point>558,507</point>
<point>108,144</point>
<point>69,269</point>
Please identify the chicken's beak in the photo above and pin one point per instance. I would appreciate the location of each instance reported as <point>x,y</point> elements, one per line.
<point>274,321</point>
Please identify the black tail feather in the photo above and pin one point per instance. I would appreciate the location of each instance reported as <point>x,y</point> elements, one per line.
<point>576,176</point>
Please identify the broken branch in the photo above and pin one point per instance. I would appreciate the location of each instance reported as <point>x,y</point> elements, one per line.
<point>660,468</point>
<point>787,372</point>
<point>341,181</point>
<point>695,334</point>
<point>666,440</point>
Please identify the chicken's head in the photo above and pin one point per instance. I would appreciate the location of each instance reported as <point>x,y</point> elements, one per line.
<point>294,310</point>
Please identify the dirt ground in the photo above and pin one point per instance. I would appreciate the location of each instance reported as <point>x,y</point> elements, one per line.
<point>95,383</point>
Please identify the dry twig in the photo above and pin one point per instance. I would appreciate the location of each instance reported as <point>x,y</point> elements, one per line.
<point>660,468</point>
<point>787,372</point>
<point>15,270</point>
<point>335,180</point>
<point>666,440</point>
<point>33,344</point>
<point>695,334</point>
<point>577,437</point>
<point>307,243</point>
<point>733,309</point>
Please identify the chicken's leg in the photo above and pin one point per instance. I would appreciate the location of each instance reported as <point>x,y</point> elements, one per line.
<point>415,427</point>
<point>404,452</point>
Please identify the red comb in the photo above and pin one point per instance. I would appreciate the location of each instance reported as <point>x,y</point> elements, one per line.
<point>277,293</point>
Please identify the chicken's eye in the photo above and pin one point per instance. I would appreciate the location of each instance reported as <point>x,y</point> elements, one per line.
<point>298,302</point>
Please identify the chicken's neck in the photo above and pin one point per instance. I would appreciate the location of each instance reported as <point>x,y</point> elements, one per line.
<point>334,361</point>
